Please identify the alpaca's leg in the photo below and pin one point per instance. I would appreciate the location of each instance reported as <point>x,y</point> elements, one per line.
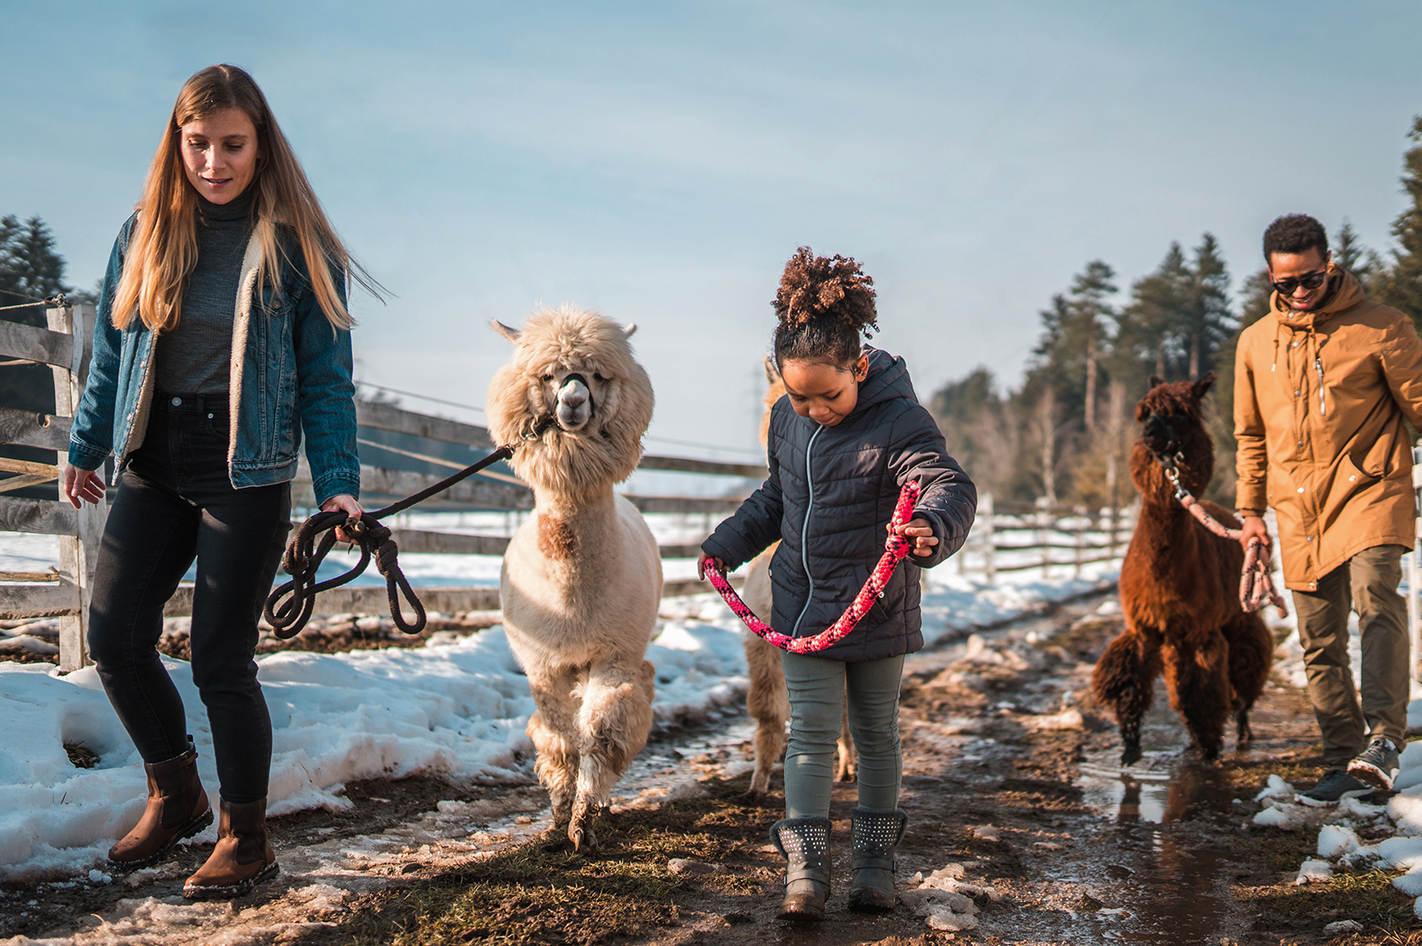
<point>554,732</point>
<point>1124,679</point>
<point>768,704</point>
<point>847,758</point>
<point>613,723</point>
<point>1197,676</point>
<point>1251,653</point>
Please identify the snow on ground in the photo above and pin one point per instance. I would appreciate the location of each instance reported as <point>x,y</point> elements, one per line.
<point>457,706</point>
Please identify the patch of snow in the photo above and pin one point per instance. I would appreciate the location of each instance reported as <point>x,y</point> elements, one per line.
<point>1314,871</point>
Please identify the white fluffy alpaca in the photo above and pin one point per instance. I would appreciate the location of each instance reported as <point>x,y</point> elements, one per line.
<point>582,577</point>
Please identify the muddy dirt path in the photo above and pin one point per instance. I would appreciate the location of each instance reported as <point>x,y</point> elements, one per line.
<point>1022,830</point>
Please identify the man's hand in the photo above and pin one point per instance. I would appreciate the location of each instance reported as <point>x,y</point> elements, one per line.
<point>1254,528</point>
<point>920,536</point>
<point>347,504</point>
<point>85,485</point>
<point>701,565</point>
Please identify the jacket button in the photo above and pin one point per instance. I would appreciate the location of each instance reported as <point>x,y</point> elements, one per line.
<point>1297,393</point>
<point>1300,489</point>
<point>1309,539</point>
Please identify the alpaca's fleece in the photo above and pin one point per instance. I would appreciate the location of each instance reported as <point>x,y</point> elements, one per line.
<point>555,342</point>
<point>1179,591</point>
<point>582,577</point>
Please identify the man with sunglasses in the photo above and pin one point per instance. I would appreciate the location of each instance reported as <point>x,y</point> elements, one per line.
<point>1322,386</point>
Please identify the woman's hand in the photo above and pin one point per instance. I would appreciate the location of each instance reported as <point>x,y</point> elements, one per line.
<point>920,536</point>
<point>701,565</point>
<point>350,506</point>
<point>86,485</point>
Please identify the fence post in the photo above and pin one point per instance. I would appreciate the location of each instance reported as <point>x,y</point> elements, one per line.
<point>1044,534</point>
<point>985,516</point>
<point>1082,521</point>
<point>77,553</point>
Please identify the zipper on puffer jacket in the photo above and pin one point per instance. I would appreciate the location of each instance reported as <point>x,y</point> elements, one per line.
<point>805,532</point>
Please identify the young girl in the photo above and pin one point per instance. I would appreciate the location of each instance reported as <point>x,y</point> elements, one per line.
<point>222,338</point>
<point>847,435</point>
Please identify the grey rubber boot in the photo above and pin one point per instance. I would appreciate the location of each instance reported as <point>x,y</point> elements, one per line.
<point>876,836</point>
<point>805,844</point>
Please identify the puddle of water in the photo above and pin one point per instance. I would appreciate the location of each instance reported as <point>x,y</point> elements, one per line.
<point>1169,875</point>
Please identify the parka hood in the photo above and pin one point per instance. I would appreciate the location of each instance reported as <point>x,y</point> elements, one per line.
<point>888,378</point>
<point>1344,293</point>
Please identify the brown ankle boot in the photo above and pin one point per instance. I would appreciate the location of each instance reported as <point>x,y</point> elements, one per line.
<point>243,855</point>
<point>177,809</point>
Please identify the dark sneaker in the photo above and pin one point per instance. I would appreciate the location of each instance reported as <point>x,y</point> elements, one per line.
<point>1335,786</point>
<point>1377,765</point>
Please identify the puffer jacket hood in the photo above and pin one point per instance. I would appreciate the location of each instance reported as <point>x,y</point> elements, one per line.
<point>830,493</point>
<point>1319,404</point>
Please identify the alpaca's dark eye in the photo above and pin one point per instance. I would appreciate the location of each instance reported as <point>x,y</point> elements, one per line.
<point>599,377</point>
<point>547,377</point>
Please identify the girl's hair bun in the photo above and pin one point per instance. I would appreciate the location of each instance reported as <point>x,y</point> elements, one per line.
<point>819,287</point>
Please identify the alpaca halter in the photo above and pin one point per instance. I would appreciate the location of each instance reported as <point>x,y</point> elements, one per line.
<point>896,549</point>
<point>1255,584</point>
<point>303,556</point>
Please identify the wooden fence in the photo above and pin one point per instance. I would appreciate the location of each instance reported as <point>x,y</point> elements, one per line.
<point>1039,535</point>
<point>64,592</point>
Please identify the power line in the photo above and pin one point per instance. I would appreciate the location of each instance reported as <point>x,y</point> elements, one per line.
<point>423,397</point>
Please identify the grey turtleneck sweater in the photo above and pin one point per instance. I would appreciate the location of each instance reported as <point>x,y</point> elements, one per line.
<point>194,358</point>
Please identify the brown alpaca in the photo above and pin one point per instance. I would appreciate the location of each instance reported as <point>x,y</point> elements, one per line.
<point>767,702</point>
<point>1179,591</point>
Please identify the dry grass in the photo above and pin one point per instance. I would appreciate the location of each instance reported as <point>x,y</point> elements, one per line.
<point>529,895</point>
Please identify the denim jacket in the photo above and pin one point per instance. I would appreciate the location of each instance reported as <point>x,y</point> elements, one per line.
<point>291,373</point>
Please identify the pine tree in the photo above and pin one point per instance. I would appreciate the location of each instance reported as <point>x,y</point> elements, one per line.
<point>1350,254</point>
<point>1210,323</point>
<point>1401,286</point>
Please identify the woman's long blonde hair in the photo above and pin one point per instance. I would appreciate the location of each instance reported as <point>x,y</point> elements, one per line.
<point>163,248</point>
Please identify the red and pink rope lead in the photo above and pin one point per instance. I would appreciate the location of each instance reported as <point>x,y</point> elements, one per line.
<point>896,549</point>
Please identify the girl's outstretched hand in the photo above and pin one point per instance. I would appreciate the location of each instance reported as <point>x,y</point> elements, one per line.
<point>920,536</point>
<point>701,565</point>
<point>82,486</point>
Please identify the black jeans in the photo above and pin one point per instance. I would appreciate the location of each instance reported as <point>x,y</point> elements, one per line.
<point>174,503</point>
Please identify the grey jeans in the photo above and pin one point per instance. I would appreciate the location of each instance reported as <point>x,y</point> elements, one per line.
<point>1366,583</point>
<point>817,688</point>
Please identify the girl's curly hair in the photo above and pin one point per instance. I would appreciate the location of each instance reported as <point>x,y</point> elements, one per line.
<point>823,304</point>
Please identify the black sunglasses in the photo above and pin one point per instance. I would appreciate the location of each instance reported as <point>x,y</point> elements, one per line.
<point>1312,281</point>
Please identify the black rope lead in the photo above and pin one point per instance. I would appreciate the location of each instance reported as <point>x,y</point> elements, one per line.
<point>305,553</point>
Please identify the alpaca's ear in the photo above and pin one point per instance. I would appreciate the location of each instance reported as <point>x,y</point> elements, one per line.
<point>1156,382</point>
<point>629,330</point>
<point>1203,385</point>
<point>771,374</point>
<point>510,333</point>
<point>1142,412</point>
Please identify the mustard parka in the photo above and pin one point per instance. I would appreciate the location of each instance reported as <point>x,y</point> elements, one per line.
<point>1319,400</point>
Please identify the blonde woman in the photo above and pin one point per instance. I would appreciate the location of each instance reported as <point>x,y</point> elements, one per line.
<point>222,339</point>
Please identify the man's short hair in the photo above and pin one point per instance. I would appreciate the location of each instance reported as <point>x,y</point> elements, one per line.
<point>1295,233</point>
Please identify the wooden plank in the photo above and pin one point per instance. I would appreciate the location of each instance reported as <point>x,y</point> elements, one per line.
<point>79,546</point>
<point>14,483</point>
<point>695,586</point>
<point>680,551</point>
<point>47,470</point>
<point>755,471</point>
<point>37,516</point>
<point>474,491</point>
<point>51,575</point>
<point>29,429</point>
<point>35,344</point>
<point>683,504</point>
<point>369,601</point>
<point>18,602</point>
<point>388,417</point>
<point>415,540</point>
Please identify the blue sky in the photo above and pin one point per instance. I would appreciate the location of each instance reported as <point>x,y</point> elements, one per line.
<point>660,161</point>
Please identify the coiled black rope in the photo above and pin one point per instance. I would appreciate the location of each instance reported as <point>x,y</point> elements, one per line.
<point>305,553</point>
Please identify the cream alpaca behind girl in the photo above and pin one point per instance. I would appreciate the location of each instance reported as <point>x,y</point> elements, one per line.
<point>582,577</point>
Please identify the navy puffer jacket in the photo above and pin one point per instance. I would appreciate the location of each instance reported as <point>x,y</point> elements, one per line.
<point>830,493</point>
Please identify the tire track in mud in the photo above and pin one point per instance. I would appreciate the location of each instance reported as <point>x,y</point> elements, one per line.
<point>1010,785</point>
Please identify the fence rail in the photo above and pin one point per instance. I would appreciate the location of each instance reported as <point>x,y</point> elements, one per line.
<point>1098,536</point>
<point>65,346</point>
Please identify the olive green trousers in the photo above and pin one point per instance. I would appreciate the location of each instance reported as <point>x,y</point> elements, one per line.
<point>1366,583</point>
